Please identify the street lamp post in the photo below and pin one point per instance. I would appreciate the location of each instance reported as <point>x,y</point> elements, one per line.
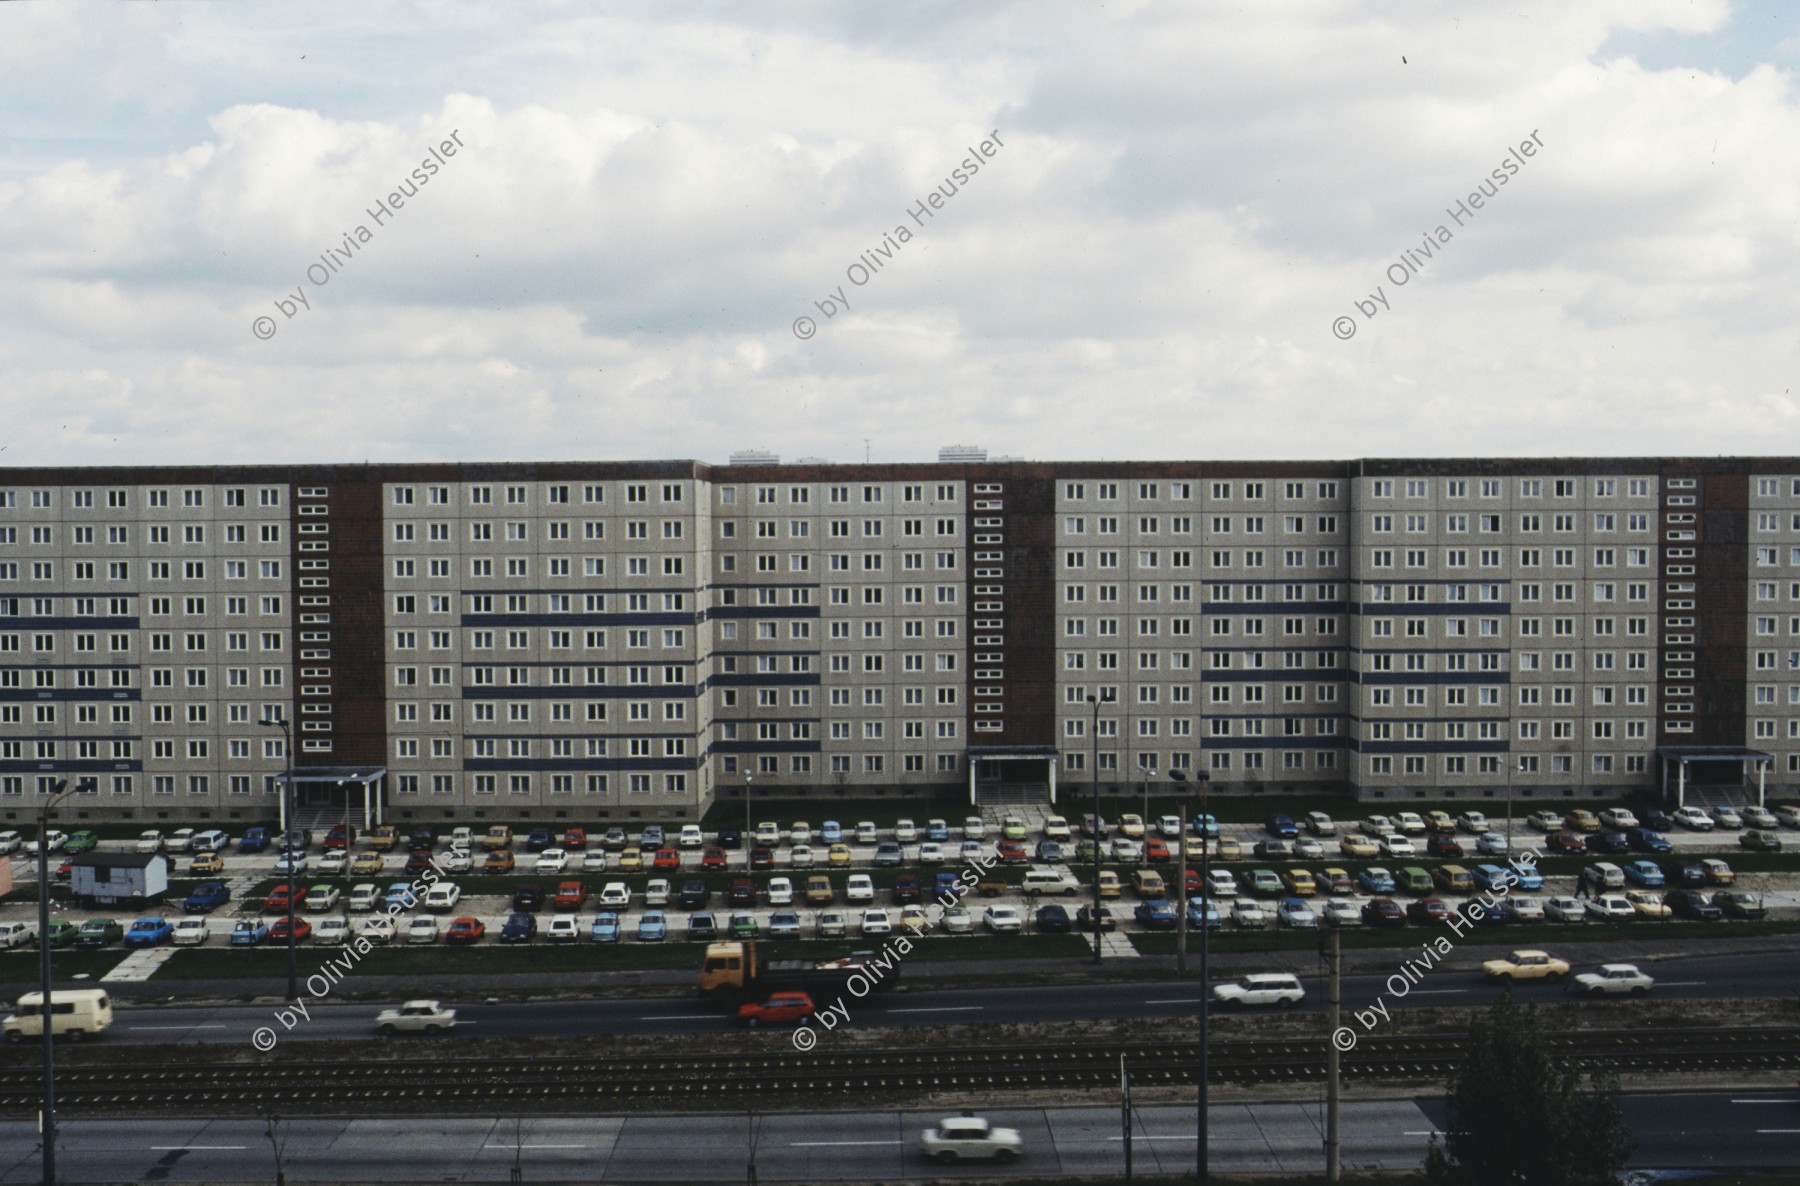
<point>1144,852</point>
<point>1180,778</point>
<point>1200,1118</point>
<point>287,821</point>
<point>747,780</point>
<point>1097,701</point>
<point>46,1013</point>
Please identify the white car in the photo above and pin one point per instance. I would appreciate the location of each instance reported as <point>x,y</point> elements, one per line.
<point>1787,813</point>
<point>10,843</point>
<point>1618,818</point>
<point>768,833</point>
<point>551,860</point>
<point>615,895</point>
<point>423,929</point>
<point>321,898</point>
<point>1728,818</point>
<point>1605,875</point>
<point>443,896</point>
<point>656,891</point>
<point>905,831</point>
<point>1169,826</point>
<point>1056,828</point>
<point>860,888</point>
<point>1221,884</point>
<point>1341,912</point>
<point>801,856</point>
<point>1760,817</point>
<point>800,833</point>
<point>1379,826</point>
<point>462,837</point>
<point>877,922</point>
<point>328,932</point>
<point>180,840</point>
<point>1263,988</point>
<point>1565,910</point>
<point>425,1017</point>
<point>1694,819</point>
<point>563,928</point>
<point>1124,848</point>
<point>378,928</point>
<point>1318,823</point>
<point>781,892</point>
<point>1309,848</point>
<point>364,895</point>
<point>1619,979</point>
<point>974,828</point>
<point>457,860</point>
<point>690,837</point>
<point>150,840</point>
<point>1527,909</point>
<point>1474,822</point>
<point>1611,908</point>
<point>53,841</point>
<point>289,862</point>
<point>191,932</point>
<point>17,934</point>
<point>931,853</point>
<point>866,832</point>
<point>1397,846</point>
<point>971,1138</point>
<point>334,860</point>
<point>1003,919</point>
<point>1410,822</point>
<point>957,920</point>
<point>1248,912</point>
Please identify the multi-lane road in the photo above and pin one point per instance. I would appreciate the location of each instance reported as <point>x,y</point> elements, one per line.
<point>1712,1129</point>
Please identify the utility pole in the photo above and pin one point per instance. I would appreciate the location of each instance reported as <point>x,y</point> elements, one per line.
<point>1202,1173</point>
<point>1334,1170</point>
<point>287,823</point>
<point>46,1011</point>
<point>1125,1114</point>
<point>1097,701</point>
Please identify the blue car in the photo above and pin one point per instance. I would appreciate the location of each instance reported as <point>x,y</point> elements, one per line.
<point>256,839</point>
<point>784,924</point>
<point>937,830</point>
<point>1156,916</point>
<point>1282,827</point>
<point>519,928</point>
<point>947,883</point>
<point>831,832</point>
<point>148,932</point>
<point>1201,912</point>
<point>652,927</point>
<point>1646,840</point>
<point>1207,826</point>
<point>606,928</point>
<point>1489,877</point>
<point>1529,878</point>
<point>1375,881</point>
<point>1646,874</point>
<point>400,894</point>
<point>249,933</point>
<point>207,897</point>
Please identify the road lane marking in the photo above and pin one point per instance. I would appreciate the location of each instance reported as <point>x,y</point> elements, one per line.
<point>175,1027</point>
<point>1680,983</point>
<point>1178,1001</point>
<point>677,1017</point>
<point>1154,1137</point>
<point>196,1148</point>
<point>943,1009</point>
<point>1778,1131</point>
<point>836,1144</point>
<point>1430,1132</point>
<point>1766,1101</point>
<point>503,1145</point>
<point>1436,992</point>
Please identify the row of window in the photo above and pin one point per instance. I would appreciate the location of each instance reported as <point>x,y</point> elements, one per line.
<point>1527,487</point>
<point>191,498</point>
<point>1496,557</point>
<point>1383,765</point>
<point>1146,558</point>
<point>1184,524</point>
<point>191,534</point>
<point>155,570</point>
<point>1250,491</point>
<point>1252,762</point>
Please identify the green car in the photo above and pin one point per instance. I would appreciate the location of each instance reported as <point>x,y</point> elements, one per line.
<point>62,933</point>
<point>743,925</point>
<point>1266,883</point>
<point>1413,880</point>
<point>82,841</point>
<point>98,932</point>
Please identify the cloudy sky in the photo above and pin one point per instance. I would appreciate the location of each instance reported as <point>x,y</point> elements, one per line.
<point>1162,257</point>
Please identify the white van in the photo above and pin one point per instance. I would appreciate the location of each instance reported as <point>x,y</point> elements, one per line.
<point>75,1013</point>
<point>211,840</point>
<point>1050,879</point>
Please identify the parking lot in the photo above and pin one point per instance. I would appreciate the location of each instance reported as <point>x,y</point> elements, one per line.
<point>883,880</point>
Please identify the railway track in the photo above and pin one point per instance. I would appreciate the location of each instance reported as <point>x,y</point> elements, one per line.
<point>457,1083</point>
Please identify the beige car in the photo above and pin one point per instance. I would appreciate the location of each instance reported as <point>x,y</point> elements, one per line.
<point>1526,965</point>
<point>1358,845</point>
<point>1647,904</point>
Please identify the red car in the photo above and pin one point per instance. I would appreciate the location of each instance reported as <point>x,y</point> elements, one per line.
<point>713,858</point>
<point>278,933</point>
<point>338,837</point>
<point>465,930</point>
<point>762,857</point>
<point>1156,849</point>
<point>741,892</point>
<point>569,895</point>
<point>1428,910</point>
<point>1384,912</point>
<point>1441,845</point>
<point>575,839</point>
<point>1012,852</point>
<point>1193,883</point>
<point>666,858</point>
<point>781,1008</point>
<point>277,901</point>
<point>1567,842</point>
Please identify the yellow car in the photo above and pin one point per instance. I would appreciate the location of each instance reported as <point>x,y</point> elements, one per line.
<point>1230,849</point>
<point>1132,826</point>
<point>1526,965</point>
<point>1358,845</point>
<point>1440,821</point>
<point>383,837</point>
<point>838,854</point>
<point>1149,885</point>
<point>365,862</point>
<point>1647,904</point>
<point>498,836</point>
<point>1299,882</point>
<point>1110,886</point>
<point>631,860</point>
<point>819,891</point>
<point>1582,820</point>
<point>205,863</point>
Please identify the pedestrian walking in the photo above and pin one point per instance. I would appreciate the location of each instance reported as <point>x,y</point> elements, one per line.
<point>1581,885</point>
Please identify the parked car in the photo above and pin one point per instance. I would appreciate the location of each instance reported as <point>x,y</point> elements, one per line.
<point>1318,823</point>
<point>206,897</point>
<point>1156,916</point>
<point>1294,912</point>
<point>519,927</point>
<point>465,930</point>
<point>1358,845</point>
<point>1566,842</point>
<point>1688,903</point>
<point>1565,909</point>
<point>190,932</point>
<point>1375,880</point>
<point>1717,871</point>
<point>605,928</point>
<point>563,928</point>
<point>1759,817</point>
<point>1397,845</point>
<point>1546,820</point>
<point>1084,920</point>
<point>206,864</point>
<point>423,929</point>
<point>702,926</point>
<point>149,932</point>
<point>1619,819</point>
<point>1727,818</point>
<point>833,924</point>
<point>1694,819</point>
<point>652,926</point>
<point>1611,908</point>
<point>1526,909</point>
<point>1760,840</point>
<point>1648,904</point>
<point>1473,822</point>
<point>1645,874</point>
<point>1384,912</point>
<point>1248,912</point>
<point>1428,911</point>
<point>1003,919</point>
<point>1645,840</point>
<point>1740,905</point>
<point>249,932</point>
<point>1052,918</point>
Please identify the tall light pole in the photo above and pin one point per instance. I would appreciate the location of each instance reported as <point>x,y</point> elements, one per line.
<point>1180,778</point>
<point>1144,852</point>
<point>1204,778</point>
<point>746,814</point>
<point>1097,701</point>
<point>287,818</point>
<point>46,1012</point>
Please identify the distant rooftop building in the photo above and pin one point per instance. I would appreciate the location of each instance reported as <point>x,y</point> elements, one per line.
<point>963,454</point>
<point>755,457</point>
<point>812,461</point>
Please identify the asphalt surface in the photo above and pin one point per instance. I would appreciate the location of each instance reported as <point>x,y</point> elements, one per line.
<point>1740,1129</point>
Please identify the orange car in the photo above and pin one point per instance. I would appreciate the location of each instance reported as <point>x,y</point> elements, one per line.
<point>465,930</point>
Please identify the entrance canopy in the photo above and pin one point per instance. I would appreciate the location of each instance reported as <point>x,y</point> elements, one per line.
<point>369,778</point>
<point>1014,765</point>
<point>1688,761</point>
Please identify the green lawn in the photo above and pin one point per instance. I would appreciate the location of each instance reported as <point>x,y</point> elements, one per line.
<point>1512,934</point>
<point>20,965</point>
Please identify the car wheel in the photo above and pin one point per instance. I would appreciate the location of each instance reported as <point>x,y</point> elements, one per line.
<point>76,1035</point>
<point>386,1031</point>
<point>755,1022</point>
<point>947,1156</point>
<point>1555,976</point>
<point>1006,1156</point>
<point>431,1029</point>
<point>1639,991</point>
